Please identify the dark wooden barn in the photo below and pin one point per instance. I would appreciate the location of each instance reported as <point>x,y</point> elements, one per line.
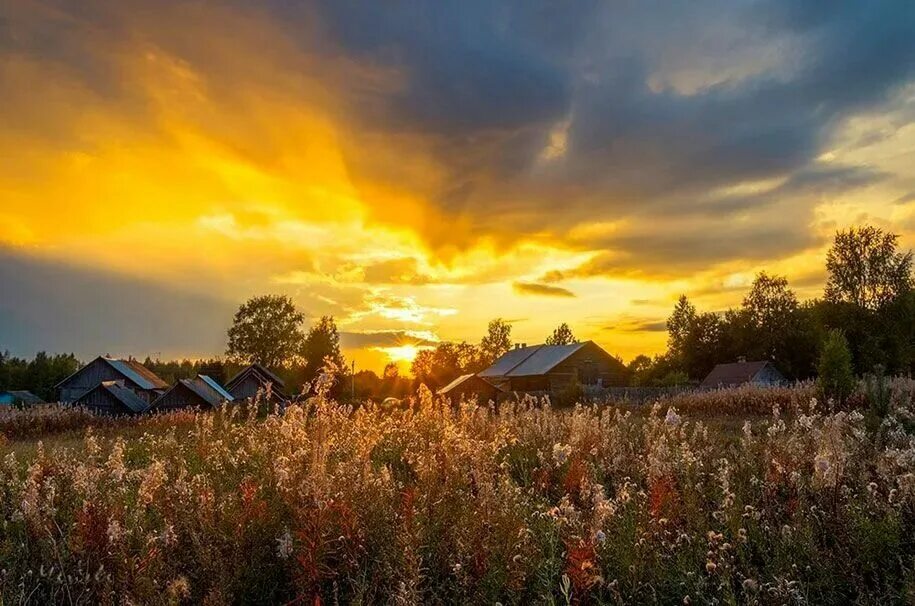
<point>468,387</point>
<point>130,373</point>
<point>552,368</point>
<point>255,379</point>
<point>113,398</point>
<point>199,392</point>
<point>761,373</point>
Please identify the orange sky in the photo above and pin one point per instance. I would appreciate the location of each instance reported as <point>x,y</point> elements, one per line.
<point>201,155</point>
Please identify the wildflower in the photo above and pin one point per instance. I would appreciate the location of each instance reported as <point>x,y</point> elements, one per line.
<point>561,453</point>
<point>710,567</point>
<point>750,585</point>
<point>672,418</point>
<point>115,532</point>
<point>600,536</point>
<point>284,545</point>
<point>179,588</point>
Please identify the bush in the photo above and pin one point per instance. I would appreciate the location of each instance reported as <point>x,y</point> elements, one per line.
<point>836,374</point>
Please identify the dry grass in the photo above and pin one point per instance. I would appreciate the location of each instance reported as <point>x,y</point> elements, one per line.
<point>440,505</point>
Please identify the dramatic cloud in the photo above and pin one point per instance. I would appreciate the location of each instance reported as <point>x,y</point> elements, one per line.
<point>417,164</point>
<point>533,288</point>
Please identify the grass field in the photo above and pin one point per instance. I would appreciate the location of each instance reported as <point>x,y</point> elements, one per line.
<point>705,498</point>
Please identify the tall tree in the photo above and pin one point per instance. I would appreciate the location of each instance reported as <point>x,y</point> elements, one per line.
<point>679,324</point>
<point>561,336</point>
<point>866,269</point>
<point>321,344</point>
<point>266,330</point>
<point>497,341</point>
<point>836,376</point>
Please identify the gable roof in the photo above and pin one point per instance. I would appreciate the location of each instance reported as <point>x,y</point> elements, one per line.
<point>263,373</point>
<point>533,360</point>
<point>122,394</point>
<point>464,379</point>
<point>21,395</point>
<point>129,369</point>
<point>216,387</point>
<point>201,386</point>
<point>734,373</point>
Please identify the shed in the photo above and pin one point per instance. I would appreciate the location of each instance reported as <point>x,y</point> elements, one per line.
<point>553,367</point>
<point>130,373</point>
<point>113,398</point>
<point>470,386</point>
<point>254,379</point>
<point>199,392</point>
<point>742,372</point>
<point>19,398</point>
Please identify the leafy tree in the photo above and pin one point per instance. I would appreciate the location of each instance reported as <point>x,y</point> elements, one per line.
<point>866,269</point>
<point>679,324</point>
<point>391,372</point>
<point>837,377</point>
<point>322,343</point>
<point>437,367</point>
<point>266,330</point>
<point>561,336</point>
<point>497,341</point>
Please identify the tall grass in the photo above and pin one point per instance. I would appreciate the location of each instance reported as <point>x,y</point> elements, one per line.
<point>434,504</point>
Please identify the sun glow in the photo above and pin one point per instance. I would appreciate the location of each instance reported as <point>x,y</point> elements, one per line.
<point>402,353</point>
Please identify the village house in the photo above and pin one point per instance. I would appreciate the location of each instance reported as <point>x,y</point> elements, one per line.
<point>130,373</point>
<point>470,386</point>
<point>738,373</point>
<point>254,379</point>
<point>199,392</point>
<point>113,398</point>
<point>552,368</point>
<point>19,398</point>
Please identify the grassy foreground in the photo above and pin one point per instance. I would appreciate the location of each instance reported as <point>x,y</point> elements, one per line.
<point>461,505</point>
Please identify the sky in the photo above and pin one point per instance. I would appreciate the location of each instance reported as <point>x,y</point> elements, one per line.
<point>416,169</point>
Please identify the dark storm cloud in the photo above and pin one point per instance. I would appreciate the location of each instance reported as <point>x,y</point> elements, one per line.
<point>56,307</point>
<point>543,290</point>
<point>383,338</point>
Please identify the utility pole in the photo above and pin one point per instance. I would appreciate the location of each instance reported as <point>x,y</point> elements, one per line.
<point>354,378</point>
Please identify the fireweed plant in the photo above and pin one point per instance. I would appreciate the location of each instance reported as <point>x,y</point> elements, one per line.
<point>441,503</point>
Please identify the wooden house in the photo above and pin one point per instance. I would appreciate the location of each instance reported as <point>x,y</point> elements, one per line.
<point>199,392</point>
<point>113,398</point>
<point>19,398</point>
<point>738,373</point>
<point>552,368</point>
<point>130,373</point>
<point>468,387</point>
<point>256,379</point>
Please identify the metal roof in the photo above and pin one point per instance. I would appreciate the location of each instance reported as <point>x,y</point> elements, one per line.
<point>125,396</point>
<point>528,361</point>
<point>263,375</point>
<point>136,372</point>
<point>509,360</point>
<point>216,387</point>
<point>21,395</point>
<point>735,373</point>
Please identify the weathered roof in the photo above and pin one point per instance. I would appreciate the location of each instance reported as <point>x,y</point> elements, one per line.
<point>21,395</point>
<point>734,373</point>
<point>125,396</point>
<point>265,375</point>
<point>129,369</point>
<point>464,379</point>
<point>203,390</point>
<point>216,387</point>
<point>529,361</point>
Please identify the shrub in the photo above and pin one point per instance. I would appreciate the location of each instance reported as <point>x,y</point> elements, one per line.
<point>836,374</point>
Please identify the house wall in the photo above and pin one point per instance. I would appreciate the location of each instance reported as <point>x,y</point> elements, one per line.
<point>470,389</point>
<point>590,365</point>
<point>250,385</point>
<point>769,375</point>
<point>102,402</point>
<point>179,397</point>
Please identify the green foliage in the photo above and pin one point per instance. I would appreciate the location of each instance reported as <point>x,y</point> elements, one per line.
<point>866,269</point>
<point>877,389</point>
<point>496,341</point>
<point>561,336</point>
<point>266,330</point>
<point>322,345</point>
<point>39,375</point>
<point>836,375</point>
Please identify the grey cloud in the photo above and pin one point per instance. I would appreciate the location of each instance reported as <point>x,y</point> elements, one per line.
<point>543,290</point>
<point>56,307</point>
<point>384,338</point>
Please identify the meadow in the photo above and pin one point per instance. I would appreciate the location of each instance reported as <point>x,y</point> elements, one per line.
<point>748,496</point>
